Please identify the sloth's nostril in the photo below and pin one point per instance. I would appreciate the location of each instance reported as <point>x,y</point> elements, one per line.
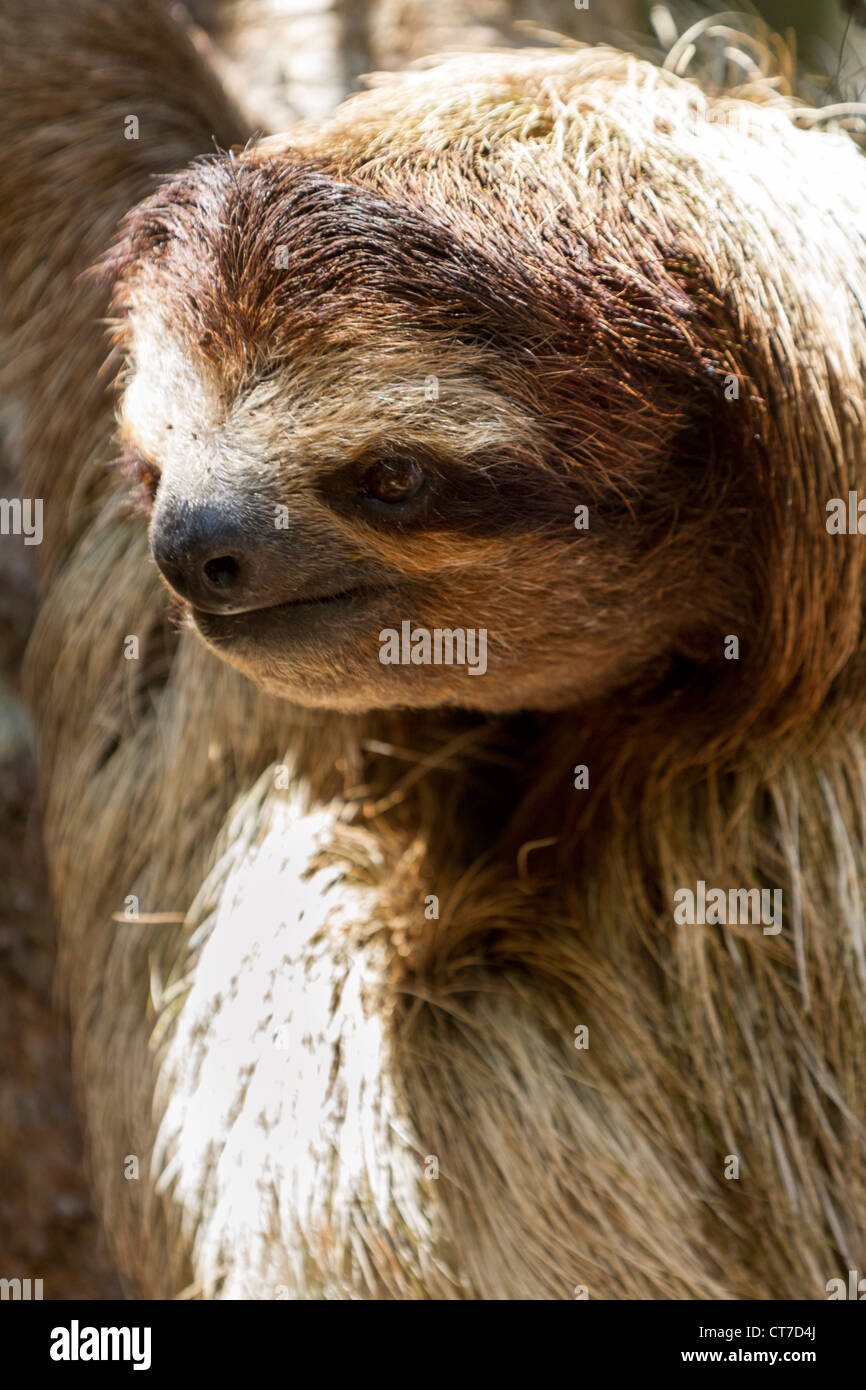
<point>221,572</point>
<point>204,551</point>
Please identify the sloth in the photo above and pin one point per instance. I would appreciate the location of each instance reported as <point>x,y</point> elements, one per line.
<point>376,981</point>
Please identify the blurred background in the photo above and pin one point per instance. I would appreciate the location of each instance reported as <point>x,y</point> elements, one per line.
<point>298,57</point>
<point>284,60</point>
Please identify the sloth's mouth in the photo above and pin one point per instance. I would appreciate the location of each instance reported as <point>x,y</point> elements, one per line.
<point>296,618</point>
<point>317,601</point>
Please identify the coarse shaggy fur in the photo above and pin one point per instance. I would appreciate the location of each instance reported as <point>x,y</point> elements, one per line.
<point>283,1035</point>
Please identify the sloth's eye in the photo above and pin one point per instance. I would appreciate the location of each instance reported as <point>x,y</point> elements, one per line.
<point>391,480</point>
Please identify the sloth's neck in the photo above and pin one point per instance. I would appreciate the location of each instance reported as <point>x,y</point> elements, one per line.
<point>465,789</point>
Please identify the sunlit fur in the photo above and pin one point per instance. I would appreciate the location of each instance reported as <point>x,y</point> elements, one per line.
<point>310,1036</point>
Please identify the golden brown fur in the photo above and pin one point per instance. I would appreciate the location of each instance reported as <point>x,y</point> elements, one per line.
<point>310,1036</point>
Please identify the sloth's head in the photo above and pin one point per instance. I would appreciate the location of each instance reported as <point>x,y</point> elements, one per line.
<point>471,361</point>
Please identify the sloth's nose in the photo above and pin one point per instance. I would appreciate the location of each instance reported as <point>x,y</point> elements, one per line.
<point>206,553</point>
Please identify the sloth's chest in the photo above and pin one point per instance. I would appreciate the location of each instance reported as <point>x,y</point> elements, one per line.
<point>333,1134</point>
<point>286,1118</point>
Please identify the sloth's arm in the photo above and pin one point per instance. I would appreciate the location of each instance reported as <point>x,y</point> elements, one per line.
<point>72,76</point>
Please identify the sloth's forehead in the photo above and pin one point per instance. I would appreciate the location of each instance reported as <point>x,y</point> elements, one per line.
<point>279,311</point>
<point>289,257</point>
<point>177,404</point>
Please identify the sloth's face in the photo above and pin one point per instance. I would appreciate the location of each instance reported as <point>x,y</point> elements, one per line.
<point>384,469</point>
<point>379,529</point>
